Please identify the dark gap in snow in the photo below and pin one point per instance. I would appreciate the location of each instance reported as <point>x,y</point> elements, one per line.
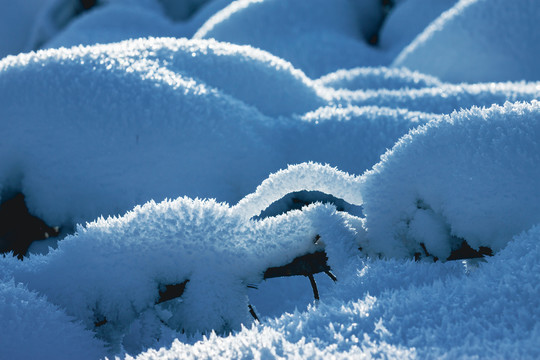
<point>297,200</point>
<point>465,251</point>
<point>19,229</point>
<point>169,292</point>
<point>88,4</point>
<point>387,6</point>
<point>102,321</point>
<point>306,265</point>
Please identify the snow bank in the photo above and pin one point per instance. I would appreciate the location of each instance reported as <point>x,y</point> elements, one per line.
<point>137,125</point>
<point>406,20</point>
<point>112,23</point>
<point>470,176</point>
<point>32,328</point>
<point>374,78</point>
<point>376,311</point>
<point>162,118</point>
<point>301,31</point>
<point>16,21</point>
<point>479,40</point>
<point>123,263</point>
<point>442,99</point>
<point>66,23</point>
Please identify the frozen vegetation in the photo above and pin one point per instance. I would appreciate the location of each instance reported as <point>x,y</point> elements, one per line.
<point>270,179</point>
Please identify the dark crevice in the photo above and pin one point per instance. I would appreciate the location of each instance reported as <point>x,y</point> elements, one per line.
<point>387,5</point>
<point>465,251</point>
<point>169,292</point>
<point>299,199</point>
<point>19,229</point>
<point>88,4</point>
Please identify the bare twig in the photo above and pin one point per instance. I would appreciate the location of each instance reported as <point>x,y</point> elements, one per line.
<point>314,286</point>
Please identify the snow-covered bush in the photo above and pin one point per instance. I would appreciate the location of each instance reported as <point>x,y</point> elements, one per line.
<point>471,176</point>
<point>333,32</point>
<point>33,328</point>
<point>499,38</point>
<point>124,265</point>
<point>168,117</point>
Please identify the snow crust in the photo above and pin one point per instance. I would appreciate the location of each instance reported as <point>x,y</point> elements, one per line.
<point>196,144</point>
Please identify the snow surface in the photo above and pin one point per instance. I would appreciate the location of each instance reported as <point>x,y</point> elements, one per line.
<point>486,30</point>
<point>201,141</point>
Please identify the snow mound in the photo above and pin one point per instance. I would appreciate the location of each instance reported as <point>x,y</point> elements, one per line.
<point>32,328</point>
<point>351,138</point>
<point>124,116</point>
<point>471,176</point>
<point>113,22</point>
<point>442,99</point>
<point>307,176</point>
<point>16,21</point>
<point>300,31</point>
<point>375,311</point>
<point>479,40</point>
<point>124,264</point>
<point>407,20</point>
<point>90,132</point>
<point>161,118</point>
<point>374,78</point>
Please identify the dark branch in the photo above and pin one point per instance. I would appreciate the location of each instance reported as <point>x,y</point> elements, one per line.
<point>303,265</point>
<point>253,313</point>
<point>314,286</point>
<point>331,276</point>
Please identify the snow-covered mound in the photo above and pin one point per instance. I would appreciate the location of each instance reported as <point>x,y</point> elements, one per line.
<point>162,118</point>
<point>16,22</point>
<point>407,20</point>
<point>123,264</point>
<point>443,99</point>
<point>403,310</point>
<point>479,40</point>
<point>332,32</point>
<point>472,176</point>
<point>375,78</point>
<point>33,328</point>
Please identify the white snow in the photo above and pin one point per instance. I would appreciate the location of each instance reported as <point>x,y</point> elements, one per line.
<point>487,31</point>
<point>196,144</point>
<point>317,36</point>
<point>33,328</point>
<point>472,175</point>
